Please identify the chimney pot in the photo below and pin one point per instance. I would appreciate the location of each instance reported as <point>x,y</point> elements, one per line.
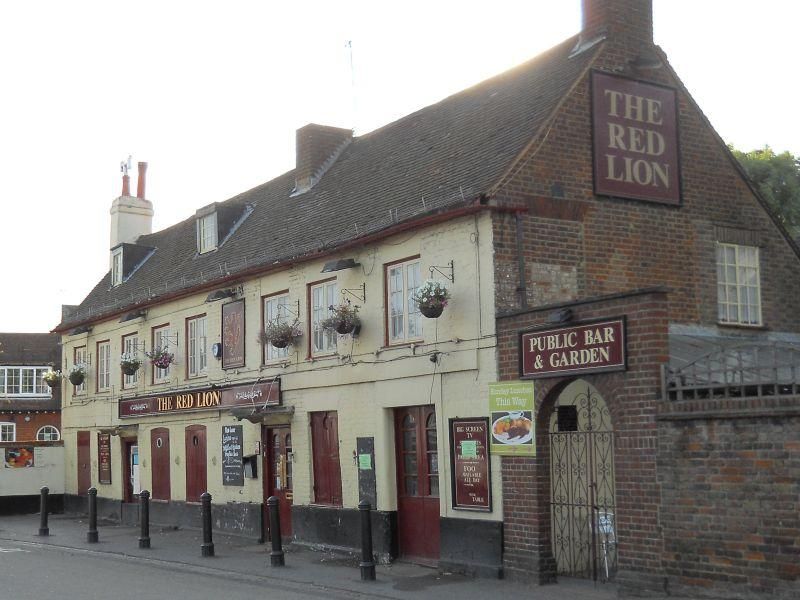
<point>126,185</point>
<point>140,184</point>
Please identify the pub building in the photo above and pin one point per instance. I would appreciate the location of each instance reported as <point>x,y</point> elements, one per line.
<point>610,391</point>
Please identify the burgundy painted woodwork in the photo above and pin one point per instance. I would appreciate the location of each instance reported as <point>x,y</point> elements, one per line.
<point>159,461</point>
<point>84,463</point>
<point>196,481</point>
<point>327,470</point>
<point>417,482</point>
<point>277,443</point>
<point>127,484</point>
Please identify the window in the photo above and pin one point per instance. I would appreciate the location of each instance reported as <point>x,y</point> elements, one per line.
<point>275,309</point>
<point>325,452</point>
<point>103,366</point>
<point>23,381</point>
<point>207,233</point>
<point>323,295</point>
<point>48,433</point>
<point>8,432</point>
<point>403,318</point>
<point>196,355</point>
<point>116,267</point>
<point>130,346</point>
<point>161,342</point>
<point>738,284</point>
<point>80,359</point>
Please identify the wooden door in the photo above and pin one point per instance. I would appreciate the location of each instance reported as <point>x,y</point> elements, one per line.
<point>325,449</point>
<point>196,479</point>
<point>159,461</point>
<point>84,463</point>
<point>277,443</point>
<point>417,482</point>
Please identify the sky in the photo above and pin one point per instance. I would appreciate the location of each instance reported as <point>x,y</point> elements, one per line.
<point>210,95</point>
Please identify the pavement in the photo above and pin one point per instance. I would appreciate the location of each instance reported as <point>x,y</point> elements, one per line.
<point>306,571</point>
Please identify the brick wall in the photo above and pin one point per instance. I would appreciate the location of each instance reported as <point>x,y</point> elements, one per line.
<point>26,430</point>
<point>631,399</point>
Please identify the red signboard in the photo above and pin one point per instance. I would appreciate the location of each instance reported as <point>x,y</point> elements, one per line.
<point>584,348</point>
<point>635,135</point>
<point>257,394</point>
<point>233,334</point>
<point>469,464</point>
<point>104,458</point>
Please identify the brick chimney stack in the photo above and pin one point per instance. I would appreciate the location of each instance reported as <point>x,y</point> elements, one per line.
<point>318,147</point>
<point>631,19</point>
<point>141,181</point>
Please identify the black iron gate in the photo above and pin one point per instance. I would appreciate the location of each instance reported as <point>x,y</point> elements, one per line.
<point>583,507</point>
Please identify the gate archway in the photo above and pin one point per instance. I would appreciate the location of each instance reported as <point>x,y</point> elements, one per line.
<point>582,484</point>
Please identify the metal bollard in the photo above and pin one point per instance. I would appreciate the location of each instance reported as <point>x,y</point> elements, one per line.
<point>276,558</point>
<point>367,564</point>
<point>43,528</point>
<point>207,549</point>
<point>144,519</point>
<point>91,535</point>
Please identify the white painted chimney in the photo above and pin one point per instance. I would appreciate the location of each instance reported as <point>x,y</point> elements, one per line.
<point>131,216</point>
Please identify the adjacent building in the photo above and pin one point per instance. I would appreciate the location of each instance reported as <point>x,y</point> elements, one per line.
<point>611,389</point>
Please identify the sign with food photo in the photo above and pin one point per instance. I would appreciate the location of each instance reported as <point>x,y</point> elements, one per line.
<point>511,407</point>
<point>19,458</point>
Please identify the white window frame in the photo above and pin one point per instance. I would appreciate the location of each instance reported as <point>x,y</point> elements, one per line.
<point>207,233</point>
<point>322,295</point>
<point>403,319</point>
<point>197,346</point>
<point>80,355</point>
<point>24,375</point>
<point>130,344</point>
<point>161,340</point>
<point>104,366</point>
<point>116,267</point>
<point>275,310</point>
<point>40,435</point>
<point>5,428</point>
<point>738,285</point>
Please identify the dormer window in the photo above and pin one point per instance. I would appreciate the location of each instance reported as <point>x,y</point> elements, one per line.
<point>207,233</point>
<point>116,267</point>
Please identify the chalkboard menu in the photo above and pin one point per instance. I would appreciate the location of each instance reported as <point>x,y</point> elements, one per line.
<point>469,464</point>
<point>104,457</point>
<point>232,458</point>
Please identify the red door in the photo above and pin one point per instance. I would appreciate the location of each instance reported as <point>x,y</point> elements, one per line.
<point>277,443</point>
<point>196,482</point>
<point>159,461</point>
<point>84,463</point>
<point>325,449</point>
<point>417,482</point>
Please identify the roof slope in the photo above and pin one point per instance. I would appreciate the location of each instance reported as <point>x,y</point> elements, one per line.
<point>441,156</point>
<point>29,349</point>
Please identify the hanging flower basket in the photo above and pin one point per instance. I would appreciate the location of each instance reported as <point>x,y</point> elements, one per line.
<point>280,333</point>
<point>130,363</point>
<point>431,298</point>
<point>52,378</point>
<point>343,319</point>
<point>160,358</point>
<point>77,374</point>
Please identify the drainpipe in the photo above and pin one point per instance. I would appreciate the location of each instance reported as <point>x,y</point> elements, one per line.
<point>522,288</point>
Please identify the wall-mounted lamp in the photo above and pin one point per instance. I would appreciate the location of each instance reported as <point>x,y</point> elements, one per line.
<point>136,314</point>
<point>79,330</point>
<point>339,265</point>
<point>563,315</point>
<point>221,294</point>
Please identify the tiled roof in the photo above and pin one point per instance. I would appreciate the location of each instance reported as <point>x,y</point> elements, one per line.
<point>440,157</point>
<point>31,349</point>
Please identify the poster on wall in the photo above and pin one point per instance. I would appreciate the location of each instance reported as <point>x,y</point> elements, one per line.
<point>470,470</point>
<point>635,137</point>
<point>232,455</point>
<point>19,458</point>
<point>104,458</point>
<point>511,411</point>
<point>233,334</point>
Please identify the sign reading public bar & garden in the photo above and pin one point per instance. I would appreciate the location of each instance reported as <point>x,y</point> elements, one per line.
<point>584,348</point>
<point>469,464</point>
<point>511,409</point>
<point>635,136</point>
<point>257,394</point>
